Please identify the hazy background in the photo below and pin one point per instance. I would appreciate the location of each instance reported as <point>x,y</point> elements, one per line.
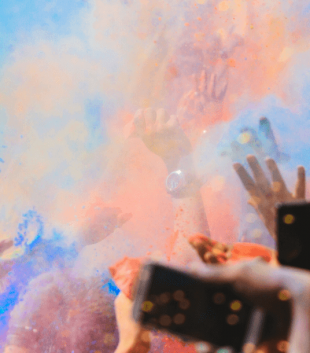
<point>72,74</point>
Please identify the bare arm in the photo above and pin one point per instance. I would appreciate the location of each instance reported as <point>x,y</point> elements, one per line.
<point>163,136</point>
<point>189,219</point>
<point>132,337</point>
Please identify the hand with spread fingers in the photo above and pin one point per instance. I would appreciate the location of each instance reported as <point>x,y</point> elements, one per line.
<point>207,88</point>
<point>162,135</point>
<point>265,195</point>
<point>101,223</point>
<point>203,104</point>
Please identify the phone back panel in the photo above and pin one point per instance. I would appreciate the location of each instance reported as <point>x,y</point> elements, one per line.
<point>293,235</point>
<point>176,302</point>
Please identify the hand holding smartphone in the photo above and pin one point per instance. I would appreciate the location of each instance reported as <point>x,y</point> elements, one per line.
<point>186,305</point>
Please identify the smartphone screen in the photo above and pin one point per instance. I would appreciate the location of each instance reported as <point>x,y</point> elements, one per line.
<point>185,305</point>
<point>293,234</point>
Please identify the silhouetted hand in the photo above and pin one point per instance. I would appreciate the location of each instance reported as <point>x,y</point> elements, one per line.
<point>162,135</point>
<point>263,194</point>
<point>100,223</point>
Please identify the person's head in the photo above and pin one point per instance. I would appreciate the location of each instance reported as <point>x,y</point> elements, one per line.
<point>59,313</point>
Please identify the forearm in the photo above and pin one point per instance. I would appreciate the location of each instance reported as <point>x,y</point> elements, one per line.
<point>189,212</point>
<point>132,337</point>
<point>189,219</point>
<point>188,207</point>
<point>190,216</point>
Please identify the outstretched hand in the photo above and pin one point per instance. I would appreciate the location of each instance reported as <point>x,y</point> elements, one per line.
<point>162,135</point>
<point>264,195</point>
<point>102,222</point>
<point>207,87</point>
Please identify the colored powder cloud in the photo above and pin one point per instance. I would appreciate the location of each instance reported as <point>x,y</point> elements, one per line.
<point>72,76</point>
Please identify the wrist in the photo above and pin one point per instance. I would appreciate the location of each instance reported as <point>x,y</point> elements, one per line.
<point>184,163</point>
<point>181,184</point>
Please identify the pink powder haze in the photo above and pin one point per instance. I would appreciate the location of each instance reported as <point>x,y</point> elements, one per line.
<point>67,100</point>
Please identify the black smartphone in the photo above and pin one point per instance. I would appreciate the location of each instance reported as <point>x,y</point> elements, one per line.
<point>185,305</point>
<point>293,234</point>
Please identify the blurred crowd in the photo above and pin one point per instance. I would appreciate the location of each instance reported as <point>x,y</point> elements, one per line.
<point>51,308</point>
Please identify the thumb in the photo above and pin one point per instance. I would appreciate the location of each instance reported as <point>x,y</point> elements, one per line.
<point>123,218</point>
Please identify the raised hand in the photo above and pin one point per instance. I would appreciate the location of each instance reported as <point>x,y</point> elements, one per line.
<point>162,135</point>
<point>261,142</point>
<point>101,223</point>
<point>263,194</point>
<point>202,105</point>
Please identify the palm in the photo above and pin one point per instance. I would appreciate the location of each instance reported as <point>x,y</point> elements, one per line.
<point>101,223</point>
<point>263,195</point>
<point>162,135</point>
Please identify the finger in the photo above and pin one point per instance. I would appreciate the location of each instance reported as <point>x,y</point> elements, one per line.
<point>150,118</point>
<point>220,246</point>
<point>266,130</point>
<point>139,122</point>
<point>173,122</point>
<point>162,116</point>
<point>203,81</point>
<point>209,258</point>
<point>201,244</point>
<point>278,184</point>
<point>199,239</point>
<point>211,86</point>
<point>259,175</point>
<point>300,188</point>
<point>221,85</point>
<point>196,82</point>
<point>130,130</point>
<point>245,178</point>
